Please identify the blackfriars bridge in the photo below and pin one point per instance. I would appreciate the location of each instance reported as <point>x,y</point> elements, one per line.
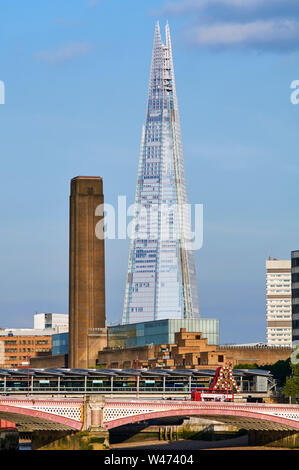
<point>96,413</point>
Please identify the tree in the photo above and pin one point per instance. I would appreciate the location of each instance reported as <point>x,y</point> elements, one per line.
<point>291,388</point>
<point>280,370</point>
<point>246,366</point>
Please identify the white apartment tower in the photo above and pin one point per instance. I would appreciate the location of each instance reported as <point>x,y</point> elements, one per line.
<point>279,302</point>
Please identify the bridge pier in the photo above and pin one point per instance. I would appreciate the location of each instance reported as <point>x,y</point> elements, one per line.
<point>9,439</point>
<point>168,433</point>
<point>287,439</point>
<point>93,435</point>
<point>64,440</point>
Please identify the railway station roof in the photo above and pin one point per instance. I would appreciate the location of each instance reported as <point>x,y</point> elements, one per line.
<point>128,372</point>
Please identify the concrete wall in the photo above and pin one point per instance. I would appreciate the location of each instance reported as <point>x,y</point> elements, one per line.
<point>46,362</point>
<point>259,355</point>
<point>284,439</point>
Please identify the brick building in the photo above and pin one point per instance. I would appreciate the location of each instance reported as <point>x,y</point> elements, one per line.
<point>15,349</point>
<point>191,351</point>
<point>49,362</point>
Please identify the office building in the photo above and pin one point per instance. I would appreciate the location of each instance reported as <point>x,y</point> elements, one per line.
<point>295,297</point>
<point>161,281</point>
<point>60,344</point>
<point>86,273</point>
<point>57,321</point>
<point>160,332</point>
<point>17,345</point>
<point>279,307</point>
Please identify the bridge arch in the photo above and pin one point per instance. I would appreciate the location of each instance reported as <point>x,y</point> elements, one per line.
<point>37,419</point>
<point>246,418</point>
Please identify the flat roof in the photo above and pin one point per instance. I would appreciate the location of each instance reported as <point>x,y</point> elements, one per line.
<point>69,373</point>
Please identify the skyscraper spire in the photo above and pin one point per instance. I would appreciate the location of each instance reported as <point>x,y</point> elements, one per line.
<point>158,32</point>
<point>161,281</point>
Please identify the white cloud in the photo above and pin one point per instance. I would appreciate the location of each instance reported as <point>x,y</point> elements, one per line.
<point>259,33</point>
<point>192,6</point>
<point>63,53</point>
<point>92,3</point>
<point>261,24</point>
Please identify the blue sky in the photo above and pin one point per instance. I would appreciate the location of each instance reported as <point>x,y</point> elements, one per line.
<point>76,75</point>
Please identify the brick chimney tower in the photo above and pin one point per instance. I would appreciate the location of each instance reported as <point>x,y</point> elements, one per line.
<point>87,333</point>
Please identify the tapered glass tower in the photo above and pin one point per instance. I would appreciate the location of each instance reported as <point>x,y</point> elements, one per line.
<point>161,281</point>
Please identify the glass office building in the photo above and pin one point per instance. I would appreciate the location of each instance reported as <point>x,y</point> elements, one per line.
<point>60,344</point>
<point>161,332</point>
<point>161,281</point>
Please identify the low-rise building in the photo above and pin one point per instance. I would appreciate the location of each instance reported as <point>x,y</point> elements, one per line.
<point>160,332</point>
<point>16,346</point>
<point>190,350</point>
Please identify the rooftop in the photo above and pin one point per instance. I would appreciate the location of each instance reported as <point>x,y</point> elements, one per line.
<point>129,372</point>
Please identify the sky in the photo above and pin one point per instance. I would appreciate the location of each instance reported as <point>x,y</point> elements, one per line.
<point>76,76</point>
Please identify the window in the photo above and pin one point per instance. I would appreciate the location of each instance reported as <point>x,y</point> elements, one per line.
<point>220,358</point>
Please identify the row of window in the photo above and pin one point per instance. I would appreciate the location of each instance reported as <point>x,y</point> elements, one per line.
<point>275,317</point>
<point>14,341</point>
<point>279,329</point>
<point>15,350</point>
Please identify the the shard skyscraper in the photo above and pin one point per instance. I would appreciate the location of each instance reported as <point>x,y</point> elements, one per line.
<point>161,281</point>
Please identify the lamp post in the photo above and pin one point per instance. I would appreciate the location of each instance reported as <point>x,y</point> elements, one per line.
<point>26,365</point>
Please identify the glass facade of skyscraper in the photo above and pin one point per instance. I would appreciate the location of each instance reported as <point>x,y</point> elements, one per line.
<point>161,281</point>
<point>160,332</point>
